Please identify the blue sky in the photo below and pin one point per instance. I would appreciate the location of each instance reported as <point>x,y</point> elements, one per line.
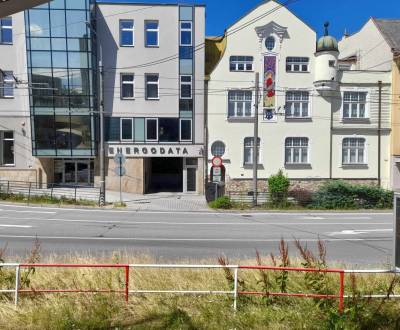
<point>342,14</point>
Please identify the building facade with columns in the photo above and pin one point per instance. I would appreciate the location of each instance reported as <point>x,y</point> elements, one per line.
<point>317,119</point>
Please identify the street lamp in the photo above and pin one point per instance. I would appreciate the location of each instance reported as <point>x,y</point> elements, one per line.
<point>101,116</point>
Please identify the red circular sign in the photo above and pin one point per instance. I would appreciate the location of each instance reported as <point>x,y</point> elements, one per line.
<point>217,161</point>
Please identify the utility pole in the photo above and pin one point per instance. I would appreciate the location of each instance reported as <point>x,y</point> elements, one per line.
<point>380,133</point>
<point>101,151</point>
<point>255,142</point>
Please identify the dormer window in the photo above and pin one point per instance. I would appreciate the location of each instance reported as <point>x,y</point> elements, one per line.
<point>270,43</point>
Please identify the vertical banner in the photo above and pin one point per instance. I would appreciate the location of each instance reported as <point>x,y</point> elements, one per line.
<point>269,81</point>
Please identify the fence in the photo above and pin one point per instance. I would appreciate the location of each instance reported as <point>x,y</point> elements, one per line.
<point>51,190</point>
<point>235,293</point>
<point>247,197</point>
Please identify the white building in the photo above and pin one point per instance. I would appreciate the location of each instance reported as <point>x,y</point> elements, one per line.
<point>316,122</point>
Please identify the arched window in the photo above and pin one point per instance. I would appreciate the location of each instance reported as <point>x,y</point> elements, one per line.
<point>353,151</point>
<point>249,150</point>
<point>270,43</point>
<point>218,149</point>
<point>296,150</point>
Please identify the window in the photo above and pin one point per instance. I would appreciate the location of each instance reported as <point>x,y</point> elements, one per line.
<point>6,36</point>
<point>186,130</point>
<point>7,148</point>
<point>270,43</point>
<point>127,30</point>
<point>152,81</point>
<point>218,149</point>
<point>186,34</point>
<point>186,87</point>
<point>296,150</point>
<point>353,151</point>
<point>249,150</point>
<point>297,64</point>
<point>354,105</point>
<point>151,130</point>
<point>168,129</point>
<point>151,33</point>
<point>127,86</point>
<point>241,63</point>
<point>6,84</point>
<point>239,104</point>
<point>297,104</point>
<point>126,129</point>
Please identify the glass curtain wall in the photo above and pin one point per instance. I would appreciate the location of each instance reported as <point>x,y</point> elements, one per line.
<point>62,79</point>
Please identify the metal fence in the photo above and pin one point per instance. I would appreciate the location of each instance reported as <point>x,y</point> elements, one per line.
<point>235,293</point>
<point>73,193</point>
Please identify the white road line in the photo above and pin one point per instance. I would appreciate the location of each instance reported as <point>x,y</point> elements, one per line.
<point>359,232</point>
<point>182,239</point>
<point>15,226</point>
<point>38,212</point>
<point>127,222</point>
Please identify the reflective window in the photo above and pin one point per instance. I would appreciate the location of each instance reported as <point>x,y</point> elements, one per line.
<point>151,33</point>
<point>270,43</point>
<point>79,81</point>
<point>79,45</point>
<point>151,130</point>
<point>297,64</point>
<point>127,129</point>
<point>186,87</point>
<point>76,24</point>
<point>57,4</point>
<point>63,132</point>
<point>60,59</point>
<point>41,59</point>
<point>77,60</point>
<point>186,129</point>
<point>186,34</point>
<point>44,132</point>
<point>168,129</point>
<point>59,44</point>
<point>127,31</point>
<point>6,84</point>
<point>152,82</point>
<point>39,25</point>
<point>6,33</point>
<point>241,63</point>
<point>40,44</point>
<point>57,23</point>
<point>76,4</point>
<point>127,86</point>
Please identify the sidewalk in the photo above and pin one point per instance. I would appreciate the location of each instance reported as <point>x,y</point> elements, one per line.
<point>160,202</point>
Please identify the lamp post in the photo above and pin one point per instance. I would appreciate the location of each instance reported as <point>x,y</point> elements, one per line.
<point>101,118</point>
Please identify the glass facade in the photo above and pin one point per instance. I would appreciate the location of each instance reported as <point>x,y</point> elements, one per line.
<point>61,73</point>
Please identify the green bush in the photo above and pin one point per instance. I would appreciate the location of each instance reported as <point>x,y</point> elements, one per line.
<point>278,187</point>
<point>342,195</point>
<point>224,203</point>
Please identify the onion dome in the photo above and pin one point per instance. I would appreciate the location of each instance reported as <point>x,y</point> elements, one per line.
<point>327,43</point>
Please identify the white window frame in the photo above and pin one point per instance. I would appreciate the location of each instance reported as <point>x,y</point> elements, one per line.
<point>234,60</point>
<point>182,83</point>
<point>366,104</point>
<point>305,98</point>
<point>186,30</point>
<point>252,152</point>
<point>6,27</point>
<point>365,151</point>
<point>300,147</point>
<point>6,81</point>
<point>152,83</point>
<point>145,131</point>
<point>132,30</point>
<point>132,123</point>
<point>127,83</point>
<point>180,129</point>
<point>244,101</point>
<point>152,30</point>
<point>300,63</point>
<point>2,139</point>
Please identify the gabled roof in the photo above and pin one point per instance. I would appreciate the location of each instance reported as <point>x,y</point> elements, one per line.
<point>282,5</point>
<point>390,29</point>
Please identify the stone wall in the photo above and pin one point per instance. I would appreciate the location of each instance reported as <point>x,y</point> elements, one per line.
<point>18,175</point>
<point>132,182</point>
<point>245,185</point>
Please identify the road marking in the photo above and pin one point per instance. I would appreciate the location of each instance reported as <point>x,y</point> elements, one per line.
<point>359,232</point>
<point>15,226</point>
<point>313,218</point>
<point>183,239</point>
<point>38,212</point>
<point>127,222</point>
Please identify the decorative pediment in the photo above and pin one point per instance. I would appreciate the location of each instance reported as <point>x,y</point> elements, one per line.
<point>272,28</point>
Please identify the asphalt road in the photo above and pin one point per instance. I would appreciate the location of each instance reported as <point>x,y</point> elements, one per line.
<point>359,238</point>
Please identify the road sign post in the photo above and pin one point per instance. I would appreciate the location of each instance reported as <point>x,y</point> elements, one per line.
<point>120,160</point>
<point>396,231</point>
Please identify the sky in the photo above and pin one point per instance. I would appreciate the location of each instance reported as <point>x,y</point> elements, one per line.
<point>343,15</point>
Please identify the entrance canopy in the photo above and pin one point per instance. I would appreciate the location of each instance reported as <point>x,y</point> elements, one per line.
<point>9,7</point>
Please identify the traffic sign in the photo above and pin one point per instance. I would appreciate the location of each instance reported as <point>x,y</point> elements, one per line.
<point>217,161</point>
<point>120,171</point>
<point>217,171</point>
<point>119,159</point>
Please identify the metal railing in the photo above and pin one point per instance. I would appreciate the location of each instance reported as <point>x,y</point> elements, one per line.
<point>235,293</point>
<point>54,191</point>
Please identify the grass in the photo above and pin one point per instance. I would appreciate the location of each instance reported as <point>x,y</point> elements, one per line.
<point>109,311</point>
<point>45,200</point>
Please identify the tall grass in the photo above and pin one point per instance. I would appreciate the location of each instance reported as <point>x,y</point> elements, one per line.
<point>109,310</point>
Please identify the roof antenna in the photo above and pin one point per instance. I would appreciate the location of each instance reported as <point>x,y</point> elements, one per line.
<point>346,34</point>
<point>326,25</point>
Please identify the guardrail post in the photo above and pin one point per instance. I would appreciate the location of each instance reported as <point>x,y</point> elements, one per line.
<point>341,293</point>
<point>126,283</point>
<point>235,289</point>
<point>17,273</point>
<point>29,192</point>
<point>75,194</point>
<point>8,187</point>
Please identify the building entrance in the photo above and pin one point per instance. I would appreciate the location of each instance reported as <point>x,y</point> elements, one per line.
<point>74,172</point>
<point>166,175</point>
